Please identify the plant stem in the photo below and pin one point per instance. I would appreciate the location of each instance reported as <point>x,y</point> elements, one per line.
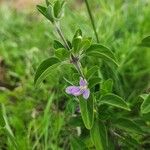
<point>78,66</point>
<point>75,62</point>
<point>58,29</point>
<point>92,19</point>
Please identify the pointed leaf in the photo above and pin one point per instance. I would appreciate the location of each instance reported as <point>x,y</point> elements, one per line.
<point>58,45</point>
<point>47,2</point>
<point>114,100</point>
<point>47,12</point>
<point>45,68</point>
<point>77,143</point>
<point>62,54</point>
<point>128,125</point>
<point>94,81</point>
<point>87,111</point>
<point>42,10</point>
<point>102,52</point>
<point>85,44</point>
<point>78,33</point>
<point>145,107</point>
<point>146,42</point>
<point>76,44</point>
<point>50,13</point>
<point>2,121</point>
<point>58,8</point>
<point>99,136</point>
<point>91,72</point>
<point>106,86</point>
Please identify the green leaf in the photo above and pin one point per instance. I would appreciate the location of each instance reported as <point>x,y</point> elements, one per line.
<point>76,121</point>
<point>58,8</point>
<point>42,10</point>
<point>91,72</point>
<point>130,142</point>
<point>102,52</point>
<point>85,44</point>
<point>106,86</point>
<point>87,111</point>
<point>9,132</point>
<point>81,45</point>
<point>77,144</point>
<point>93,82</point>
<point>58,45</point>
<point>102,49</point>
<point>76,44</point>
<point>128,125</point>
<point>47,12</point>
<point>99,136</point>
<point>62,54</point>
<point>50,13</point>
<point>145,107</point>
<point>77,33</point>
<point>146,42</point>
<point>114,100</point>
<point>2,121</point>
<point>47,2</point>
<point>45,68</point>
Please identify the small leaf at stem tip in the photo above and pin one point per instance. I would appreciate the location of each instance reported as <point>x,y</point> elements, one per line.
<point>47,2</point>
<point>77,33</point>
<point>47,12</point>
<point>58,9</point>
<point>50,13</point>
<point>76,43</point>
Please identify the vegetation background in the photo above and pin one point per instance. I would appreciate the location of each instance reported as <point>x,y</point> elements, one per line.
<point>38,118</point>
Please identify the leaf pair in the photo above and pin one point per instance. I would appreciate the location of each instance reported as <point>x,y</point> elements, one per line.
<point>52,12</point>
<point>79,43</point>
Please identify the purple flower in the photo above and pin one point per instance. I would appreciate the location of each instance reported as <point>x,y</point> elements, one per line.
<point>82,89</point>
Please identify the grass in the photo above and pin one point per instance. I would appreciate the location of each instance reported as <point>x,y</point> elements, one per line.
<point>38,118</point>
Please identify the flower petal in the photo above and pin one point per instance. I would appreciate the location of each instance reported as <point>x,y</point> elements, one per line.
<point>82,82</point>
<point>86,94</point>
<point>73,90</point>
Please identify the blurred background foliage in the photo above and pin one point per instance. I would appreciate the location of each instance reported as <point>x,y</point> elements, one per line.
<point>26,38</point>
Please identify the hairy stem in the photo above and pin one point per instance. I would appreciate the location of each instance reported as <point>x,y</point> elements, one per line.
<point>78,66</point>
<point>58,29</point>
<point>92,20</point>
